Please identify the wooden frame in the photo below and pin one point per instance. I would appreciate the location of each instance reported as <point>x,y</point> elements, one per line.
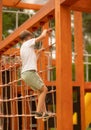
<point>21,5</point>
<point>60,10</point>
<point>0,20</point>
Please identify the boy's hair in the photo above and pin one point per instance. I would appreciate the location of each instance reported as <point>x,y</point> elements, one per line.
<point>25,34</point>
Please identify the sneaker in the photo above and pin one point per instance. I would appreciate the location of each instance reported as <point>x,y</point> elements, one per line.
<point>38,115</point>
<point>46,116</point>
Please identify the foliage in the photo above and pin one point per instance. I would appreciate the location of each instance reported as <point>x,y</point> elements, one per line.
<point>87,23</point>
<point>87,31</point>
<point>9,20</point>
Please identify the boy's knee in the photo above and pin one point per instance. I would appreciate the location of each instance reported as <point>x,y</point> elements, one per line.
<point>44,89</point>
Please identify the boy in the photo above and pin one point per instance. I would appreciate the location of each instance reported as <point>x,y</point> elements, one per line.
<point>29,69</point>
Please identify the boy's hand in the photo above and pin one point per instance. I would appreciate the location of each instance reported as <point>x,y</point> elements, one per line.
<point>44,33</point>
<point>49,30</point>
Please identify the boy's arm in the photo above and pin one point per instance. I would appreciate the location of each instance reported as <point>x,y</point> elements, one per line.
<point>43,35</point>
<point>39,52</point>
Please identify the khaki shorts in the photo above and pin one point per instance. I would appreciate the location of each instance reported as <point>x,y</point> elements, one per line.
<point>32,79</point>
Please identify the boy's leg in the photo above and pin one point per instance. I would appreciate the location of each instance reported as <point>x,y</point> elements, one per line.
<point>43,108</point>
<point>41,99</point>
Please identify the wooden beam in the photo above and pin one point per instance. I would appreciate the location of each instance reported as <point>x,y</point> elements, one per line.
<point>0,41</point>
<point>82,6</point>
<point>87,86</point>
<point>68,2</point>
<point>0,20</point>
<point>44,59</point>
<point>29,6</point>
<point>12,52</point>
<point>79,65</point>
<point>77,5</point>
<point>63,68</point>
<point>16,2</point>
<point>21,5</point>
<point>53,83</point>
<point>34,22</point>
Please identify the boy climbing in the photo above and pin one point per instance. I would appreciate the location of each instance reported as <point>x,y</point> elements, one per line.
<point>29,69</point>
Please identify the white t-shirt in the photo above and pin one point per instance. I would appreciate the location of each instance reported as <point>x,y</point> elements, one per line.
<point>28,56</point>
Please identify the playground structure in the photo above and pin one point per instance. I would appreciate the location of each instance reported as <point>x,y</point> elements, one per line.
<point>12,89</point>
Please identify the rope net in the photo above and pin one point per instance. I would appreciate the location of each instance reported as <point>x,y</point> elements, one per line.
<point>17,100</point>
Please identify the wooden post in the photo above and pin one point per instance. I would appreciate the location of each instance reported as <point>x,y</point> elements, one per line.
<point>0,20</point>
<point>1,92</point>
<point>79,66</point>
<point>43,60</point>
<point>45,57</point>
<point>63,67</point>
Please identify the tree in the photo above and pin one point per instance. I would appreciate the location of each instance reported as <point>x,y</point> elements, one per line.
<point>87,31</point>
<point>9,19</point>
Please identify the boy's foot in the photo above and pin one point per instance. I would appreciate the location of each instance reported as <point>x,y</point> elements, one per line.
<point>46,116</point>
<point>43,116</point>
<point>38,115</point>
